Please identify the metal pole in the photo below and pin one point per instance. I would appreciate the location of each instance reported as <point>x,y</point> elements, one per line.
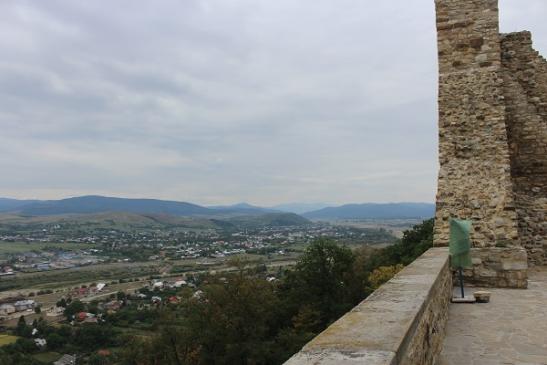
<point>461,281</point>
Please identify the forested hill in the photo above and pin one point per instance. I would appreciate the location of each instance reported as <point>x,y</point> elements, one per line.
<point>100,204</point>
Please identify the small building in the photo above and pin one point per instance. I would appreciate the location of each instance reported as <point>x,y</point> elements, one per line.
<point>23,305</point>
<point>40,342</point>
<point>91,320</point>
<point>113,305</point>
<point>104,352</point>
<point>100,286</point>
<point>83,316</point>
<point>66,360</point>
<point>6,309</point>
<point>173,300</point>
<point>156,300</point>
<point>179,283</point>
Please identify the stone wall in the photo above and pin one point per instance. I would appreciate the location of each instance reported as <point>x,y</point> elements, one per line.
<point>498,267</point>
<point>525,91</point>
<point>401,323</point>
<point>492,137</point>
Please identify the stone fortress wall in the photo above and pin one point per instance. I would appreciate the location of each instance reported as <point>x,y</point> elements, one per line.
<point>525,91</point>
<point>492,141</point>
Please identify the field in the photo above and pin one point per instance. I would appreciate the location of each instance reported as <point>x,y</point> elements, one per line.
<point>7,248</point>
<point>395,226</point>
<point>63,280</point>
<point>47,357</point>
<point>7,339</point>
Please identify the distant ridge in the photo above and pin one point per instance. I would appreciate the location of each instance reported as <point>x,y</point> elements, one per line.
<point>375,211</point>
<point>299,208</point>
<point>100,204</point>
<point>94,204</point>
<point>7,205</point>
<point>243,208</point>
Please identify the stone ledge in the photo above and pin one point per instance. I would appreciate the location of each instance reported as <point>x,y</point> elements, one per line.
<point>400,323</point>
<point>344,358</point>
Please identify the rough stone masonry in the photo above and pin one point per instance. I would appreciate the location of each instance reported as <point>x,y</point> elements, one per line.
<point>492,141</point>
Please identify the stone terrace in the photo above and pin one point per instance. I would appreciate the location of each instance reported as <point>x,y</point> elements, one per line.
<point>511,329</point>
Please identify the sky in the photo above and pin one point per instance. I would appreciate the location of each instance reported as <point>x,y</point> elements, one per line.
<point>219,102</point>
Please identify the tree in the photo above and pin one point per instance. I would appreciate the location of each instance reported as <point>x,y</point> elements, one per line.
<point>247,320</point>
<point>55,341</point>
<point>383,274</point>
<point>74,307</point>
<point>25,345</point>
<point>97,359</point>
<point>322,280</point>
<point>61,303</point>
<point>23,328</point>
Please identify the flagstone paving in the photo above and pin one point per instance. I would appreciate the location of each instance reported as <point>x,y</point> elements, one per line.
<point>511,329</point>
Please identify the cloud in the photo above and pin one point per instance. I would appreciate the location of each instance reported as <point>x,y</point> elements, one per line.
<point>217,102</point>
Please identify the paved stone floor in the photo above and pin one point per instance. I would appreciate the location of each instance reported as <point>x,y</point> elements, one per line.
<point>511,329</point>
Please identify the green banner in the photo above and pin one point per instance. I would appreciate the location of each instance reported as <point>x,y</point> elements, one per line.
<point>460,243</point>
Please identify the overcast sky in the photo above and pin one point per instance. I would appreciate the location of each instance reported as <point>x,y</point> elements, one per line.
<point>222,101</point>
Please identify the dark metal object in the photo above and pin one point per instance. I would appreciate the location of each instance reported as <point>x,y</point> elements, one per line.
<point>461,280</point>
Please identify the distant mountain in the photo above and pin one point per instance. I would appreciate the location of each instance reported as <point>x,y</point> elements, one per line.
<point>374,211</point>
<point>94,204</point>
<point>100,204</point>
<point>7,205</point>
<point>123,221</point>
<point>243,208</point>
<point>300,208</point>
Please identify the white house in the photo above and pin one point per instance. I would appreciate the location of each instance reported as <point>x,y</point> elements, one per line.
<point>23,305</point>
<point>158,285</point>
<point>40,342</point>
<point>6,309</point>
<point>180,283</point>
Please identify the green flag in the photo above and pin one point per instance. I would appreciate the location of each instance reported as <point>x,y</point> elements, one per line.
<point>460,243</point>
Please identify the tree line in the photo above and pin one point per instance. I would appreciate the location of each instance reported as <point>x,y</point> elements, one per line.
<point>246,319</point>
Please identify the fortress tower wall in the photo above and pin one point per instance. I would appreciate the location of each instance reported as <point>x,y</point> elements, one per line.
<point>475,180</point>
<point>525,90</point>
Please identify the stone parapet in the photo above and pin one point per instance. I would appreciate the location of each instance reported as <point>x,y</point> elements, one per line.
<point>401,323</point>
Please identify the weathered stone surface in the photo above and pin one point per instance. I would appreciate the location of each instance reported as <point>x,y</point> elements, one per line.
<point>511,329</point>
<point>525,91</point>
<point>403,322</point>
<point>497,267</point>
<point>493,138</point>
<point>331,357</point>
